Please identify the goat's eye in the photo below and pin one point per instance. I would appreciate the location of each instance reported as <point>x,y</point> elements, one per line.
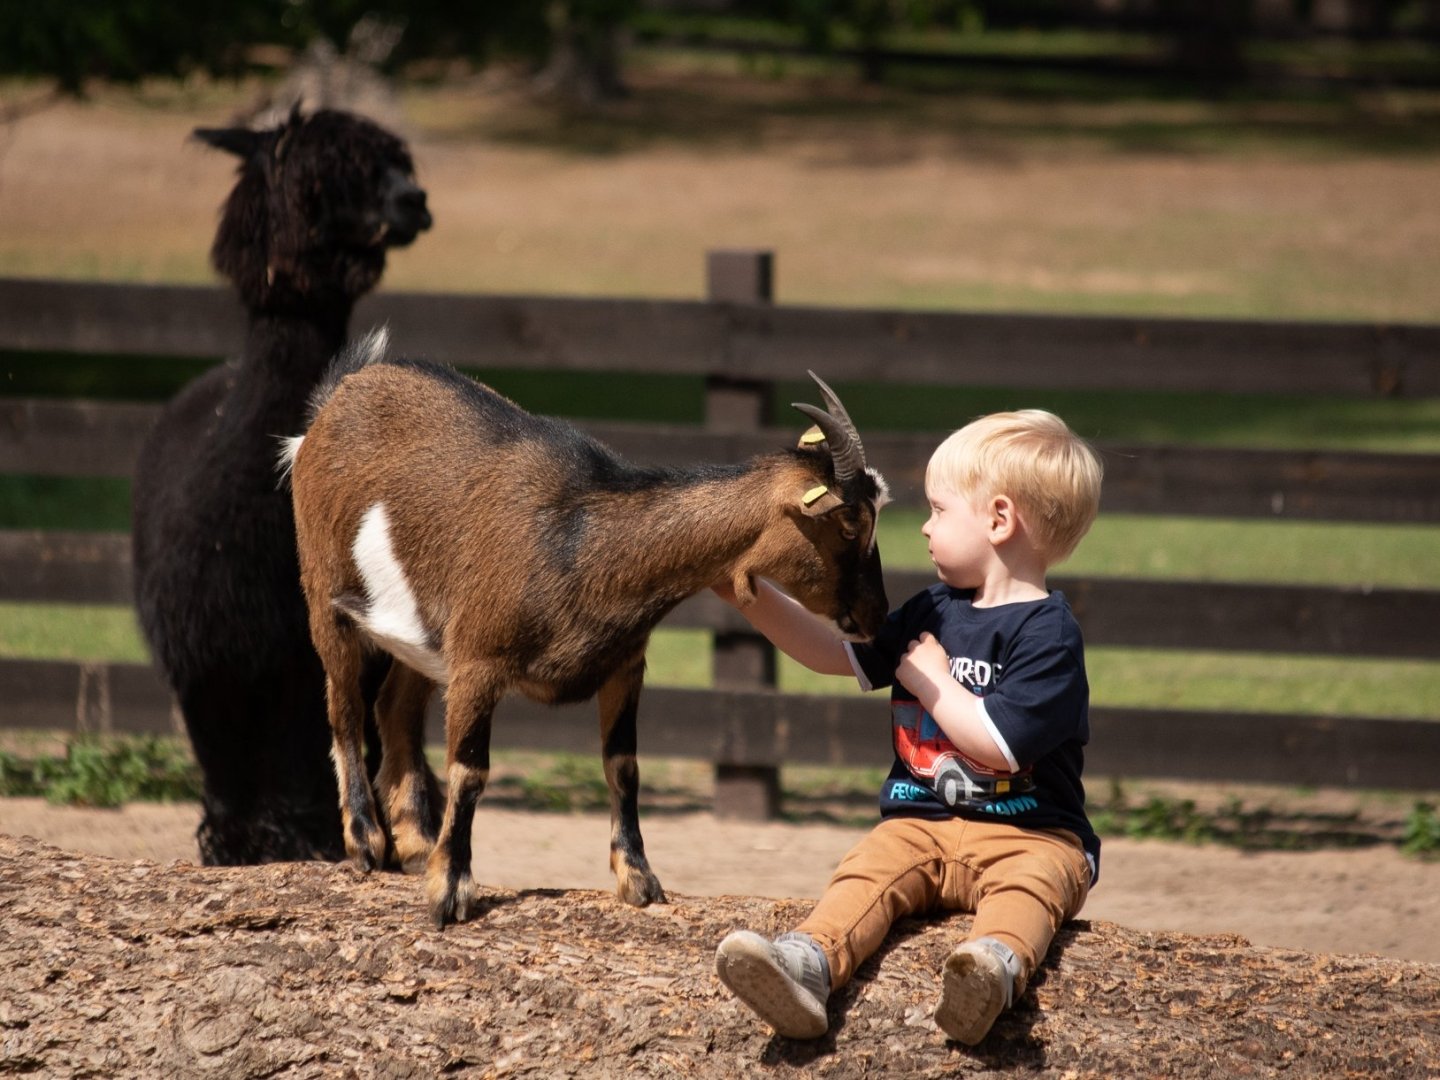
<point>849,532</point>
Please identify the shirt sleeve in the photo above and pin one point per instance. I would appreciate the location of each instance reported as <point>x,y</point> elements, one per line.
<point>875,661</point>
<point>1042,698</point>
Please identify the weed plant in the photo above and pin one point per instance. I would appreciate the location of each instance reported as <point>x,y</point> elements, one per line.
<point>105,773</point>
<point>1422,832</point>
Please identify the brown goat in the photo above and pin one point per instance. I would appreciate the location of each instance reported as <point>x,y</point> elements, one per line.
<point>489,549</point>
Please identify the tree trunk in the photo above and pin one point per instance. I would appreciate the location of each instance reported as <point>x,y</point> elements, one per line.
<point>1210,38</point>
<point>311,969</point>
<point>584,63</point>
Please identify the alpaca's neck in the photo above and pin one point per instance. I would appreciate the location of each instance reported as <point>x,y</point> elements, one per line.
<point>293,350</point>
<point>283,359</point>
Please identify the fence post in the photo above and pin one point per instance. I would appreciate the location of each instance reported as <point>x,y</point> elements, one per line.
<point>743,660</point>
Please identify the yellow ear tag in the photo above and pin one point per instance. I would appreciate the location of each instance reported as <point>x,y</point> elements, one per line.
<point>811,437</point>
<point>813,494</point>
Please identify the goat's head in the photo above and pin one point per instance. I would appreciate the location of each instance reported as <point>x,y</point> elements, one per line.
<point>836,507</point>
<point>319,200</point>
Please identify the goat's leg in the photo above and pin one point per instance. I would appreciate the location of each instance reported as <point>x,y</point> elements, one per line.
<point>470,701</point>
<point>365,841</point>
<point>407,787</point>
<point>619,705</point>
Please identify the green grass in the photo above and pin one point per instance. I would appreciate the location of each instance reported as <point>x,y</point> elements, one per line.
<point>110,772</point>
<point>1158,678</point>
<point>1251,421</point>
<point>105,772</point>
<point>1132,546</point>
<point>1205,549</point>
<point>1257,421</point>
<point>1119,677</point>
<point>1206,681</point>
<point>1422,831</point>
<point>83,503</point>
<point>71,632</point>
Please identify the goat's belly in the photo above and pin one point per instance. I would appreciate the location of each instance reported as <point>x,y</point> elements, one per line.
<point>425,660</point>
<point>566,692</point>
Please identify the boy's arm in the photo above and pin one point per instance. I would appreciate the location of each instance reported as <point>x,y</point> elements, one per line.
<point>793,629</point>
<point>925,672</point>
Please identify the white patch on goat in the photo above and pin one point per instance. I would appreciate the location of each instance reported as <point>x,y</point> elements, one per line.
<point>392,617</point>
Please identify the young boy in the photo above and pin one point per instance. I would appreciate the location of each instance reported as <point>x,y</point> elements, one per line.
<point>983,810</point>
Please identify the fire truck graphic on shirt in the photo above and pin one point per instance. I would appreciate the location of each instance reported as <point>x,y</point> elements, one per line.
<point>935,761</point>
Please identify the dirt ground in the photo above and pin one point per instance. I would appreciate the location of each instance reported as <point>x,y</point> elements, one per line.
<point>1371,900</point>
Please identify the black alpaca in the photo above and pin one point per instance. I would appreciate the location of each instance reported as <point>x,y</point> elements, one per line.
<point>303,236</point>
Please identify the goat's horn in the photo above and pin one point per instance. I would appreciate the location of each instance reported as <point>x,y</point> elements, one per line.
<point>840,435</point>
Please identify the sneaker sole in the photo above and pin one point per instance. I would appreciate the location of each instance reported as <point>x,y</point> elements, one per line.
<point>744,966</point>
<point>972,997</point>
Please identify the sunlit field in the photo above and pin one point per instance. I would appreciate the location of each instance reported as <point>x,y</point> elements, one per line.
<point>899,196</point>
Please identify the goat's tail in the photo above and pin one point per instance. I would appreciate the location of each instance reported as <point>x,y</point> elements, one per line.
<point>369,349</point>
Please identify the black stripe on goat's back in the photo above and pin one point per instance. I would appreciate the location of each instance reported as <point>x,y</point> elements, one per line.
<point>588,463</point>
<point>492,410</point>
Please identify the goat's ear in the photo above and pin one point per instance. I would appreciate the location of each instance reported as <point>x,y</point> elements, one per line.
<point>242,142</point>
<point>819,501</point>
<point>812,439</point>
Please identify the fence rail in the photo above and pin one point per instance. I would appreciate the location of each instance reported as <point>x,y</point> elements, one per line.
<point>763,729</point>
<point>94,568</point>
<point>87,438</point>
<point>757,341</point>
<point>739,342</point>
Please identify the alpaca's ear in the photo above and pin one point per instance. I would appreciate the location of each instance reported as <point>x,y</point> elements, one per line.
<point>242,142</point>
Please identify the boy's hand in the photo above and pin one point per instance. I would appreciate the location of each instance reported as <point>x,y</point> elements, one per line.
<point>923,665</point>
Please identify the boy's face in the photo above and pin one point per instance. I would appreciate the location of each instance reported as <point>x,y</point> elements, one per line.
<point>959,536</point>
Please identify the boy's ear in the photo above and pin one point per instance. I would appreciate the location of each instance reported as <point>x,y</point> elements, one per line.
<point>1004,518</point>
<point>819,500</point>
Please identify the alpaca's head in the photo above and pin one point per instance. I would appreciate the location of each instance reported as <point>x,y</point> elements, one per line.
<point>318,201</point>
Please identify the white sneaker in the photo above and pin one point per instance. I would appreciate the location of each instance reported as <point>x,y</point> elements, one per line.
<point>785,982</point>
<point>979,984</point>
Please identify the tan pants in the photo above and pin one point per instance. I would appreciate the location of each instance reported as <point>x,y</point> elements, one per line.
<point>1022,884</point>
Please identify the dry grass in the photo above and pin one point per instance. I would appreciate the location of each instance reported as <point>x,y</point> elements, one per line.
<point>869,196</point>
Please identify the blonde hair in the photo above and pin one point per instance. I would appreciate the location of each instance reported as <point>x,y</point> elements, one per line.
<point>1051,474</point>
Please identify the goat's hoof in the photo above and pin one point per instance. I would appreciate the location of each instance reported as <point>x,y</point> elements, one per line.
<point>366,846</point>
<point>416,863</point>
<point>364,860</point>
<point>459,902</point>
<point>411,853</point>
<point>640,889</point>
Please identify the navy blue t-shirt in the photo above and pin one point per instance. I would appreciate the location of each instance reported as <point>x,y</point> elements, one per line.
<point>1026,662</point>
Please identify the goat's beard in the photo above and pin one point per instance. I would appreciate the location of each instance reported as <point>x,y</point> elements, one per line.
<point>744,586</point>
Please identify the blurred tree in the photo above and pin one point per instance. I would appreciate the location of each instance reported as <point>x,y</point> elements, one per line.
<point>1209,39</point>
<point>586,40</point>
<point>73,40</point>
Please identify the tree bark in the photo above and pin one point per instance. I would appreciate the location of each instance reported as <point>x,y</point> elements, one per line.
<point>309,970</point>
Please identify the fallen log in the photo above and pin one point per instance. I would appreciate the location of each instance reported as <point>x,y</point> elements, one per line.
<point>112,968</point>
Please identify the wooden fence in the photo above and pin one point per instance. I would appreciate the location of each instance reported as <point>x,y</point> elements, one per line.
<point>739,342</point>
